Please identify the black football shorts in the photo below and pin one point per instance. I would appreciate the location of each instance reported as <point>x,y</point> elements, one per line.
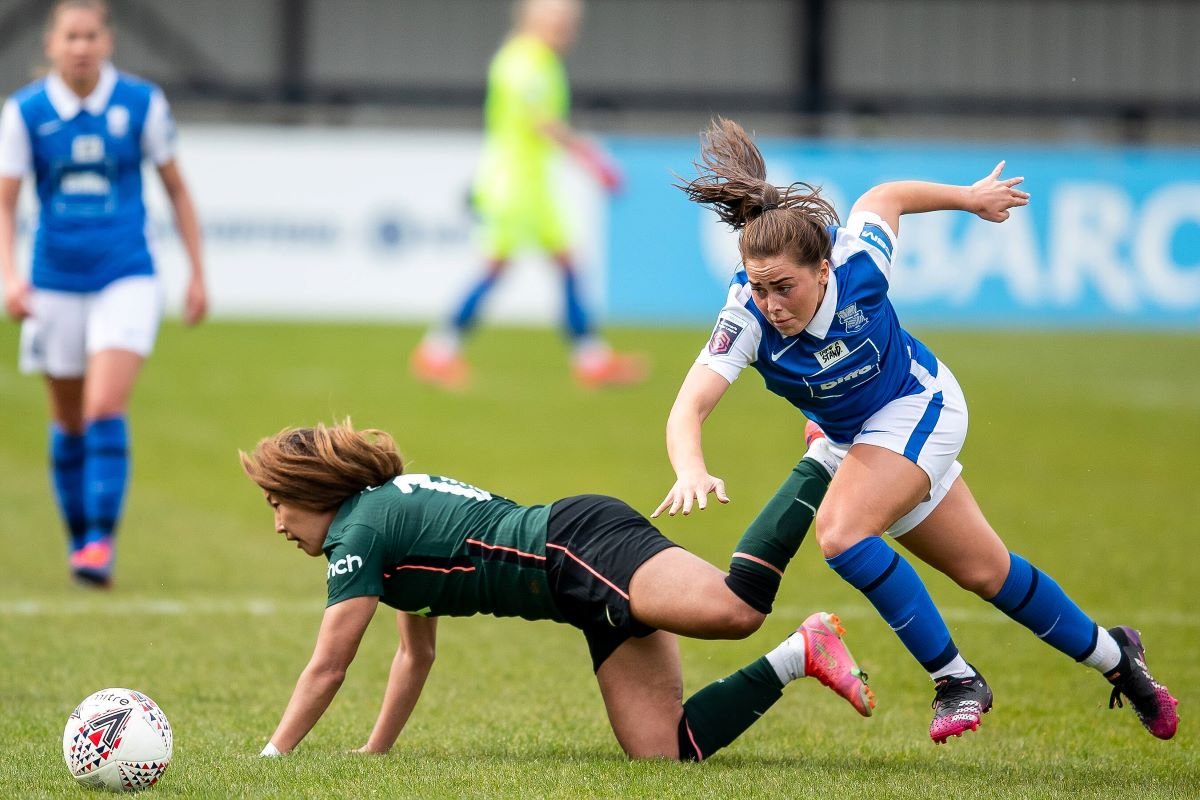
<point>594,544</point>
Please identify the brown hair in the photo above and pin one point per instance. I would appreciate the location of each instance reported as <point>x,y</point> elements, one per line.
<point>773,220</point>
<point>99,6</point>
<point>318,468</point>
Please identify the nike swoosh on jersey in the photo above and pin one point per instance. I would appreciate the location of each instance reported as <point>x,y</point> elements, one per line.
<point>775,356</point>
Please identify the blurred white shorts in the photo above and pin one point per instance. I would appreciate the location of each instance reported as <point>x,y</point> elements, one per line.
<point>67,327</point>
<point>928,429</point>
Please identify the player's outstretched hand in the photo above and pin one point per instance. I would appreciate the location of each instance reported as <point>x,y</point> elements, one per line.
<point>993,196</point>
<point>687,491</point>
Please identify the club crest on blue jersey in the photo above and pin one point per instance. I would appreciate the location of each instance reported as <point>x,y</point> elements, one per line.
<point>118,121</point>
<point>852,318</point>
<point>723,336</point>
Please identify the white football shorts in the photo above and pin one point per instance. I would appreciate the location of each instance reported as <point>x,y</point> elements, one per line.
<point>67,327</point>
<point>928,429</point>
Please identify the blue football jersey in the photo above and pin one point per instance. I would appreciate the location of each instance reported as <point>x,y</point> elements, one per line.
<point>87,164</point>
<point>852,358</point>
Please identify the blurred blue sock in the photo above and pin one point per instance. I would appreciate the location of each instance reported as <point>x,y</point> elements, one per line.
<point>577,321</point>
<point>67,455</point>
<point>468,312</point>
<point>105,474</point>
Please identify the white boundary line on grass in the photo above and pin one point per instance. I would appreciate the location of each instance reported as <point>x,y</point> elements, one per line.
<point>269,607</point>
<point>991,616</point>
<point>163,607</point>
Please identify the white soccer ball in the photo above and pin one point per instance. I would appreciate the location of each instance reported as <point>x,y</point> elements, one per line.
<point>117,739</point>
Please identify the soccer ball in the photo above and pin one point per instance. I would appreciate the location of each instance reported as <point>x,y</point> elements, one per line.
<point>117,739</point>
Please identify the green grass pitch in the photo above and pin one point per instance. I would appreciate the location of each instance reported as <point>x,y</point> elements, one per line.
<point>1084,451</point>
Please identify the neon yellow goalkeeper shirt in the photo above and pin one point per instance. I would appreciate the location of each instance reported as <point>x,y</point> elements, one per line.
<point>527,87</point>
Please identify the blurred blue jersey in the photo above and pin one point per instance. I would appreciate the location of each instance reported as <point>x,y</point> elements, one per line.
<point>851,359</point>
<point>86,155</point>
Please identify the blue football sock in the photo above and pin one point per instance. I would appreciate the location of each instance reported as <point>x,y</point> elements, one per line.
<point>893,587</point>
<point>1032,598</point>
<point>67,456</point>
<point>468,312</point>
<point>105,474</point>
<point>577,321</point>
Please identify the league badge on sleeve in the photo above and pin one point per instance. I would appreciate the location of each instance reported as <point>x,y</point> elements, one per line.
<point>723,336</point>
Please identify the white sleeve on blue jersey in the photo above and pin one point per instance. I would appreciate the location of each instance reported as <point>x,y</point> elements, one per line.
<point>158,134</point>
<point>733,345</point>
<point>16,159</point>
<point>869,229</point>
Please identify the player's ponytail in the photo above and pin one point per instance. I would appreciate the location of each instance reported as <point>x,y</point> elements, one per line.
<point>318,468</point>
<point>733,175</point>
<point>773,220</point>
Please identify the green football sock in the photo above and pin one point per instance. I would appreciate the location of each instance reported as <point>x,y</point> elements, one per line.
<point>719,713</point>
<point>768,545</point>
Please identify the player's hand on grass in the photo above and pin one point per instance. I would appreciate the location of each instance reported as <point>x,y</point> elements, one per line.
<point>691,489</point>
<point>992,196</point>
<point>366,748</point>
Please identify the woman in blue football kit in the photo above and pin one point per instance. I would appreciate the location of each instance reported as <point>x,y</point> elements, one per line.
<point>92,305</point>
<point>809,310</point>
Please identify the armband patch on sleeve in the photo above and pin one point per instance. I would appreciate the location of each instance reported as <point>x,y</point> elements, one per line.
<point>723,336</point>
<point>873,234</point>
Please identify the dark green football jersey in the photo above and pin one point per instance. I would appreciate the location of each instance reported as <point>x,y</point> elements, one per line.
<point>435,546</point>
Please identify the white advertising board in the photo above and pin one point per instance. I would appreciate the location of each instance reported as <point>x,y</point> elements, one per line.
<point>336,223</point>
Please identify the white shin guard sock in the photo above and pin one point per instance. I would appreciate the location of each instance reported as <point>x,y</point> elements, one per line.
<point>788,658</point>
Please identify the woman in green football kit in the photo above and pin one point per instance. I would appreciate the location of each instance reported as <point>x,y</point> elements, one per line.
<point>431,546</point>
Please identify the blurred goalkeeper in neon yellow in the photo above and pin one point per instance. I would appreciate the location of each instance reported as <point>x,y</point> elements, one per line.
<point>525,116</point>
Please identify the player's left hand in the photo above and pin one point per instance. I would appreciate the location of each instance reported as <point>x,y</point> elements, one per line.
<point>195,304</point>
<point>992,196</point>
<point>366,748</point>
<point>610,176</point>
<point>602,165</point>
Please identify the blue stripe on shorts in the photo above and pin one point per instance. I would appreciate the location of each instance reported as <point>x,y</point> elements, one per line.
<point>924,428</point>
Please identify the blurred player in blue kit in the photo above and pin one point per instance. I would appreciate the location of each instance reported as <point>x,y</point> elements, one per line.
<point>91,307</point>
<point>809,310</point>
<point>525,117</point>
